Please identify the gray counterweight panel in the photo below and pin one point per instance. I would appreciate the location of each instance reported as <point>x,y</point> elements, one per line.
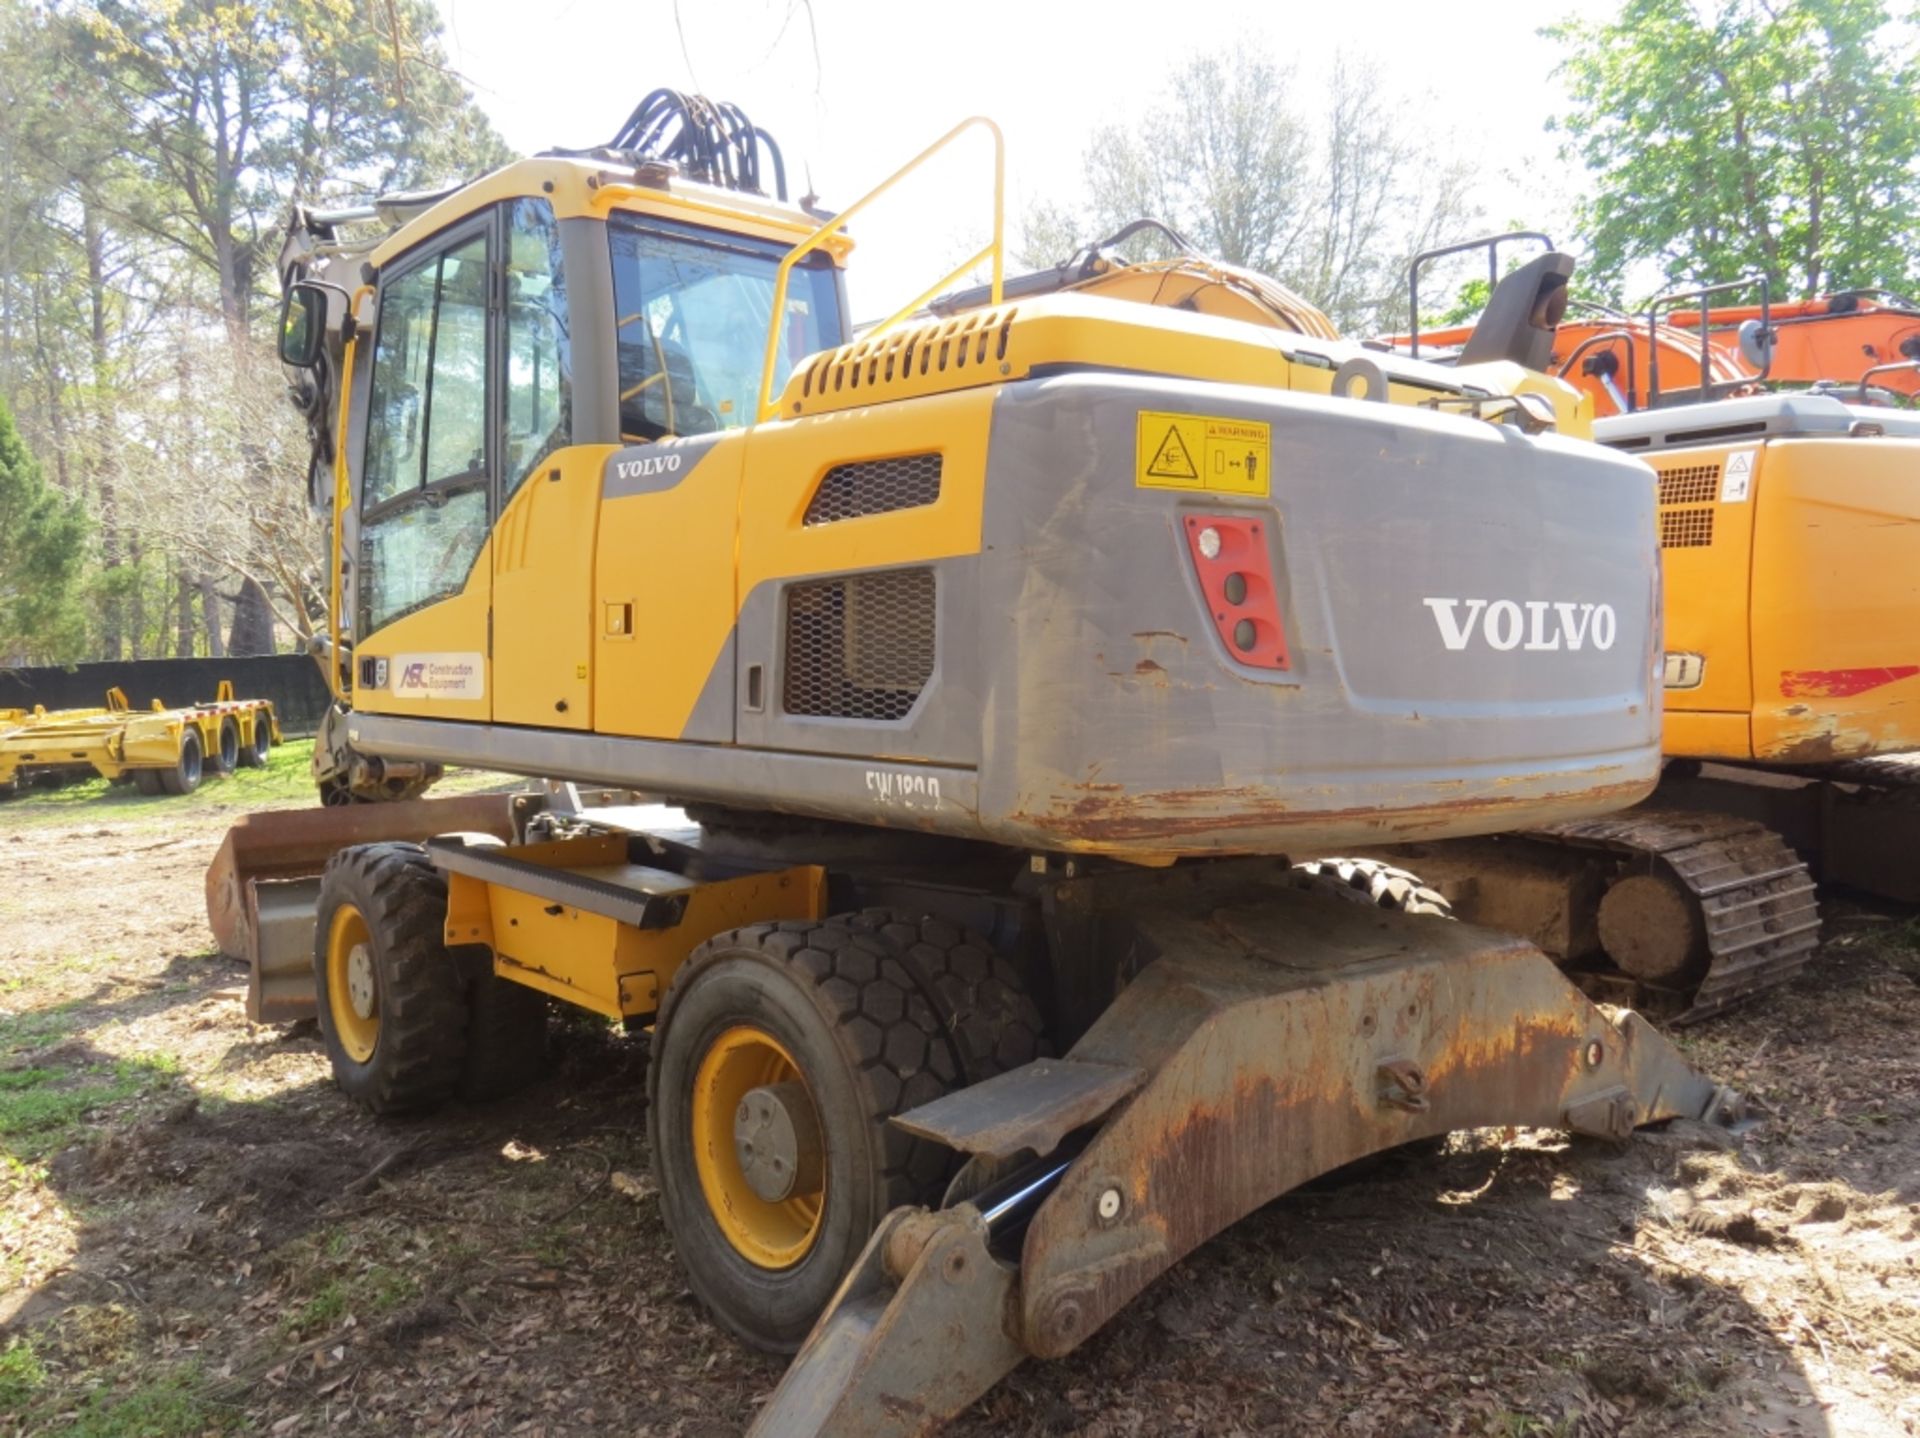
<point>1470,613</point>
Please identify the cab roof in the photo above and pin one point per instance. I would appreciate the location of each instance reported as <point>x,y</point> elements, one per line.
<point>595,187</point>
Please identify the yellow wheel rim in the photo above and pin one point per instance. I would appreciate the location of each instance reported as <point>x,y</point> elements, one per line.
<point>353,992</point>
<point>776,1234</point>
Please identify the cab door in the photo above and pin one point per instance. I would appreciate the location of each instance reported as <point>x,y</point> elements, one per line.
<point>543,543</point>
<point>423,586</point>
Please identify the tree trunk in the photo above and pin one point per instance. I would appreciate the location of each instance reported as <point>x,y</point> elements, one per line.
<point>252,631</point>
<point>210,616</point>
<point>183,598</point>
<point>113,613</point>
<point>137,601</point>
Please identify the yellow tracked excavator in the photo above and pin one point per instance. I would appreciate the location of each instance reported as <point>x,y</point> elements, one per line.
<point>995,661</point>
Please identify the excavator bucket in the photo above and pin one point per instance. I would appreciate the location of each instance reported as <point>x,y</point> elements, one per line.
<point>1264,1047</point>
<point>263,885</point>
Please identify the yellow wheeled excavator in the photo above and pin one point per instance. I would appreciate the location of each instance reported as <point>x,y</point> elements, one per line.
<point>996,658</point>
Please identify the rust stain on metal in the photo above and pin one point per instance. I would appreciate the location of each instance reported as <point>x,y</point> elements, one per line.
<point>1112,816</point>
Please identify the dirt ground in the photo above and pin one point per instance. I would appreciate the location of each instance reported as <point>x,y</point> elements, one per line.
<point>199,1235</point>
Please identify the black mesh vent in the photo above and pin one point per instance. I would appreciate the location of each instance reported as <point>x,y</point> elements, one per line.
<point>875,486</point>
<point>860,647</point>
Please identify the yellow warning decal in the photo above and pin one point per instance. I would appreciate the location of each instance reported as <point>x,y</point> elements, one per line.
<point>1196,451</point>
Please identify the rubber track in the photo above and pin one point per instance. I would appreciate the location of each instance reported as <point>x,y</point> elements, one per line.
<point>1757,898</point>
<point>1896,772</point>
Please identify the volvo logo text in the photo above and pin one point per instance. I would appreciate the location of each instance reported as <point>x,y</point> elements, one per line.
<point>641,468</point>
<point>1528,624</point>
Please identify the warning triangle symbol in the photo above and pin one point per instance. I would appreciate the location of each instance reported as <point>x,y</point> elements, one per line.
<point>1740,463</point>
<point>1171,460</point>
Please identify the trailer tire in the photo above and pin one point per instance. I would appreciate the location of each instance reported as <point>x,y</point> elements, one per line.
<point>184,776</point>
<point>823,1013</point>
<point>979,995</point>
<point>392,1003</point>
<point>147,781</point>
<point>226,757</point>
<point>254,754</point>
<point>1378,883</point>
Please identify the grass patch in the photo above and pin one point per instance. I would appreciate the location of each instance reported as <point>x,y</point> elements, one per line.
<point>36,1028</point>
<point>40,1108</point>
<point>169,1405</point>
<point>320,1312</point>
<point>21,1375</point>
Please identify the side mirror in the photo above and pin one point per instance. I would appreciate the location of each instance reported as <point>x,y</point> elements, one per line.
<point>303,325</point>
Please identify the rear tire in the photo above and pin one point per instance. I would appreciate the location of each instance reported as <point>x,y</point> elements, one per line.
<point>254,754</point>
<point>227,757</point>
<point>1380,884</point>
<point>824,1008</point>
<point>980,997</point>
<point>392,1004</point>
<point>506,1034</point>
<point>184,776</point>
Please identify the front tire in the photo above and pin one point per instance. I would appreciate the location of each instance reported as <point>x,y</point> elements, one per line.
<point>805,1038</point>
<point>392,1005</point>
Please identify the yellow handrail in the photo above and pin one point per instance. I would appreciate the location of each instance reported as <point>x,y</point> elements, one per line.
<point>995,249</point>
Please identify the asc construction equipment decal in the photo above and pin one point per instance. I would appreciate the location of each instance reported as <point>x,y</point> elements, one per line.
<point>439,676</point>
<point>1197,451</point>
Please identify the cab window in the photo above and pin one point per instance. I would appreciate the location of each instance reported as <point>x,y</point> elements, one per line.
<point>693,309</point>
<point>423,498</point>
<point>539,388</point>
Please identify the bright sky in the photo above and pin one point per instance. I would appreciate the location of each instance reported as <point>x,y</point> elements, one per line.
<point>885,85</point>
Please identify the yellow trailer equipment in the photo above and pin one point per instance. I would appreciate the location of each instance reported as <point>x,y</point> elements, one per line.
<point>1003,655</point>
<point>162,751</point>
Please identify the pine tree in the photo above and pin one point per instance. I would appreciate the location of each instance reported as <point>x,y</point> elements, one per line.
<point>43,537</point>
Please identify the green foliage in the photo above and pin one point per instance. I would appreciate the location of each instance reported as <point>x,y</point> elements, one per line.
<point>154,149</point>
<point>239,111</point>
<point>172,1404</point>
<point>1731,136</point>
<point>21,1375</point>
<point>42,549</point>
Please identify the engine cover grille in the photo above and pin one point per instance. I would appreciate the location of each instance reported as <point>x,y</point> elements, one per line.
<point>875,486</point>
<point>860,646</point>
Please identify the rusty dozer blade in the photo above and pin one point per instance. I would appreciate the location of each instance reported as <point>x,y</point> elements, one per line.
<point>263,885</point>
<point>1267,1045</point>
